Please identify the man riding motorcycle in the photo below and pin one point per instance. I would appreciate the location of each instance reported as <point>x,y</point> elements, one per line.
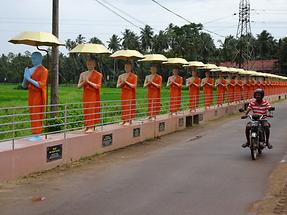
<point>258,107</point>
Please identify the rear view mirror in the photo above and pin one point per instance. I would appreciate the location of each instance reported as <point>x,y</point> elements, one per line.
<point>241,110</point>
<point>271,109</point>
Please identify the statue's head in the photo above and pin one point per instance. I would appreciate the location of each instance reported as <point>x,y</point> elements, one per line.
<point>194,73</point>
<point>153,69</point>
<point>91,64</point>
<point>37,58</point>
<point>175,70</point>
<point>128,66</point>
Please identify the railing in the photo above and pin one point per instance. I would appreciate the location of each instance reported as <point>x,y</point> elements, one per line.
<point>15,122</point>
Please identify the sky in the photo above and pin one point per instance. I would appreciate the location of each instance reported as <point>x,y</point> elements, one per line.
<point>89,18</point>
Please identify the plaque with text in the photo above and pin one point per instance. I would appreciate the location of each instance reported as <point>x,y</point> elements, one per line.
<point>136,132</point>
<point>107,140</point>
<point>54,152</point>
<point>161,126</point>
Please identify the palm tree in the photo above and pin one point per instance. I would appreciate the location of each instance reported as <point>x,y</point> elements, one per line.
<point>146,38</point>
<point>130,40</point>
<point>114,43</point>
<point>70,44</point>
<point>265,45</point>
<point>282,54</point>
<point>80,39</point>
<point>95,40</point>
<point>228,48</point>
<point>160,43</point>
<point>207,47</point>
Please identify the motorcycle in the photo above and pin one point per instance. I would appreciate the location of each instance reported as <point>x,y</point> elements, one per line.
<point>257,133</point>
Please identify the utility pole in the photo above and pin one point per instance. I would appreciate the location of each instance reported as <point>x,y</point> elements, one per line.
<point>245,49</point>
<point>55,59</point>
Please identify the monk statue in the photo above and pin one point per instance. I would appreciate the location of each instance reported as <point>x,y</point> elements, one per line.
<point>91,82</point>
<point>174,83</point>
<point>153,82</point>
<point>35,79</point>
<point>128,83</point>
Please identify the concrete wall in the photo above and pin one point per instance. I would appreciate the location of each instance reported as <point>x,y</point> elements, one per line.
<point>30,157</point>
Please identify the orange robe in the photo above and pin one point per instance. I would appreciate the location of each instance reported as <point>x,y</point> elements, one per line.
<point>257,85</point>
<point>221,91</point>
<point>238,90</point>
<point>37,98</point>
<point>175,95</point>
<point>207,92</point>
<point>194,93</point>
<point>91,100</point>
<point>267,87</point>
<point>251,88</point>
<point>128,98</point>
<point>246,88</point>
<point>231,91</point>
<point>272,87</point>
<point>154,96</point>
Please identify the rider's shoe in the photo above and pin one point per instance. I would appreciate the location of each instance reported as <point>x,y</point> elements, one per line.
<point>245,145</point>
<point>269,146</point>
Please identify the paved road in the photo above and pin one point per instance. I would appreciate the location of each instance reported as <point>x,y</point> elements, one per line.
<point>204,176</point>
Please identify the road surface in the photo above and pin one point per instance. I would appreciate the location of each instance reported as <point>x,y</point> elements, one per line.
<point>198,171</point>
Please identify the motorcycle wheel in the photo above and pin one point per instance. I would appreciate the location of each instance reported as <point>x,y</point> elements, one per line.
<point>253,148</point>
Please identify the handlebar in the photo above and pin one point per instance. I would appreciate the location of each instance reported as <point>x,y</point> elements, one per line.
<point>260,118</point>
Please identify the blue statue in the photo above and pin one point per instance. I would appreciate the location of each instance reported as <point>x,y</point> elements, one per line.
<point>35,79</point>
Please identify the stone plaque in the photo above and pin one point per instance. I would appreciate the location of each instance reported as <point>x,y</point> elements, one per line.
<point>107,140</point>
<point>136,132</point>
<point>161,126</point>
<point>54,152</point>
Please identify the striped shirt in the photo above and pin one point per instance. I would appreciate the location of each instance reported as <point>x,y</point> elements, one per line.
<point>260,109</point>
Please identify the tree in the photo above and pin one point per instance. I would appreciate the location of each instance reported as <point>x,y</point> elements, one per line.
<point>130,40</point>
<point>184,41</point>
<point>70,44</point>
<point>160,43</point>
<point>95,40</point>
<point>228,48</point>
<point>80,39</point>
<point>114,43</point>
<point>265,45</point>
<point>146,38</point>
<point>282,53</point>
<point>206,48</point>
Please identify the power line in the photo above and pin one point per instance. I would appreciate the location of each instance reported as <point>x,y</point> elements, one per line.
<point>122,11</point>
<point>115,12</point>
<point>218,19</point>
<point>178,15</point>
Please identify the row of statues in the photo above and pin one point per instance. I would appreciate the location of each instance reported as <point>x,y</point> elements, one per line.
<point>35,79</point>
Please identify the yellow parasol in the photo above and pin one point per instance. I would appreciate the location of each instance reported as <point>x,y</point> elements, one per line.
<point>220,69</point>
<point>36,39</point>
<point>153,58</point>
<point>175,61</point>
<point>209,66</point>
<point>90,48</point>
<point>194,64</point>
<point>127,55</point>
